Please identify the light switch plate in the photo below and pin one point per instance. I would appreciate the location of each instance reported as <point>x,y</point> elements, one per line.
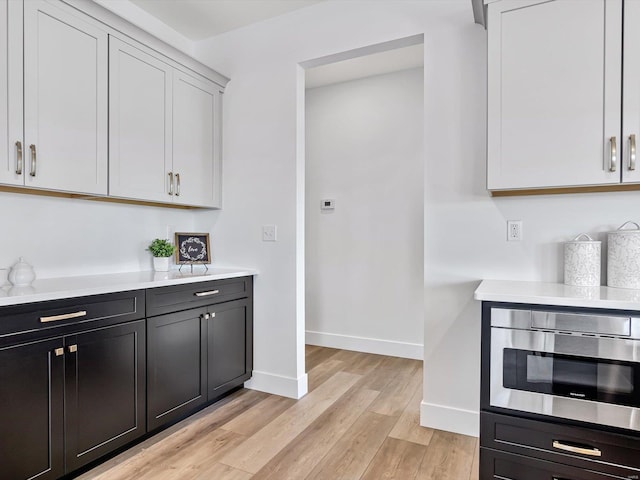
<point>269,233</point>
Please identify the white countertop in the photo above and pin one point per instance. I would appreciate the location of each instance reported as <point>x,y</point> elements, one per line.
<point>68,287</point>
<point>558,294</point>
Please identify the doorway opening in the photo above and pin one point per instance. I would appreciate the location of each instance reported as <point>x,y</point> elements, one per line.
<point>362,200</point>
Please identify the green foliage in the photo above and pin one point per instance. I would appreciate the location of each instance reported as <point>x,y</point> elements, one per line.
<point>161,248</point>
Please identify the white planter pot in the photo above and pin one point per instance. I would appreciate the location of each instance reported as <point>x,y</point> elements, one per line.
<point>161,264</point>
<point>623,259</point>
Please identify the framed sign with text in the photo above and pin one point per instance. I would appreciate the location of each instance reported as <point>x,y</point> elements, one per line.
<point>192,248</point>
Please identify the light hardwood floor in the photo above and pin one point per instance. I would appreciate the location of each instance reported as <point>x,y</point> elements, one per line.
<point>360,420</point>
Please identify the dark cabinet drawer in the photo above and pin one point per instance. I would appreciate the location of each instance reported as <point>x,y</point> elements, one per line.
<point>582,447</point>
<point>59,317</point>
<point>506,466</point>
<point>164,300</point>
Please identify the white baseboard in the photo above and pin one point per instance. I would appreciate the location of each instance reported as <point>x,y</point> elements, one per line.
<point>456,420</point>
<point>278,385</point>
<point>367,345</point>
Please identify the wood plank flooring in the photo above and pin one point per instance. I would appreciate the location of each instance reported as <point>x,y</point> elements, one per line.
<point>360,420</point>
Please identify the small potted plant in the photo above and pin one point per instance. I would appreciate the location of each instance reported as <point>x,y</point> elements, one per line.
<point>161,251</point>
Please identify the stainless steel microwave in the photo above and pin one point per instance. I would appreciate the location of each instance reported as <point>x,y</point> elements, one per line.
<point>582,367</point>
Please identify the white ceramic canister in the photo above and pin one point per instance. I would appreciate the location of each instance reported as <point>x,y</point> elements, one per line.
<point>582,261</point>
<point>623,258</point>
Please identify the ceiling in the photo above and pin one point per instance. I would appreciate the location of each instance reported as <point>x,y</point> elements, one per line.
<point>199,19</point>
<point>366,66</point>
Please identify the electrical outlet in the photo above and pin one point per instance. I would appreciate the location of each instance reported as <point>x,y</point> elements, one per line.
<point>269,233</point>
<point>514,230</point>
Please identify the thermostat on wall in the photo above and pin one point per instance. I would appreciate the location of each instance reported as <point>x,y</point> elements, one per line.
<point>327,205</point>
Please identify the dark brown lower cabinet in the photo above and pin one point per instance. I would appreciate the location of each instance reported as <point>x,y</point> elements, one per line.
<point>67,401</point>
<point>229,346</point>
<point>196,355</point>
<point>31,411</point>
<point>177,352</point>
<point>104,391</point>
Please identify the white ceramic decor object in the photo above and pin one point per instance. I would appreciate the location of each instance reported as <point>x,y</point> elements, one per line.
<point>161,264</point>
<point>21,274</point>
<point>582,261</point>
<point>623,259</point>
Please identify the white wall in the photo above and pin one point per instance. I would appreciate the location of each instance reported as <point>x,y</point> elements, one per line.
<point>465,229</point>
<point>364,260</point>
<point>63,237</point>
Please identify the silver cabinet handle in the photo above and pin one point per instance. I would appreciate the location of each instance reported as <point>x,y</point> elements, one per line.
<point>73,348</point>
<point>59,352</point>
<point>613,159</point>
<point>632,151</point>
<point>170,183</point>
<point>592,452</point>
<point>177,184</point>
<point>205,294</point>
<point>64,316</point>
<point>19,162</point>
<point>32,147</point>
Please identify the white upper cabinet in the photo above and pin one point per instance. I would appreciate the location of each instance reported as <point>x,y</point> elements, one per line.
<point>139,124</point>
<point>196,143</point>
<point>554,93</point>
<point>164,130</point>
<point>65,101</point>
<point>631,88</point>
<point>86,108</point>
<point>11,134</point>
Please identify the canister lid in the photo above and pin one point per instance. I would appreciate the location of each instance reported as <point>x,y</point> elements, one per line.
<point>588,240</point>
<point>631,231</point>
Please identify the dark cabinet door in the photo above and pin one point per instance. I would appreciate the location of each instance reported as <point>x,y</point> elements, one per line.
<point>104,391</point>
<point>31,411</point>
<point>176,367</point>
<point>229,346</point>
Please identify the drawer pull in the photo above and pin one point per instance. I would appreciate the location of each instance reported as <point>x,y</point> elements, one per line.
<point>64,316</point>
<point>206,294</point>
<point>592,452</point>
<point>73,348</point>
<point>59,352</point>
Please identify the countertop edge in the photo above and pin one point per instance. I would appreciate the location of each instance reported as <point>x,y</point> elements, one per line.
<point>541,293</point>
<point>74,287</point>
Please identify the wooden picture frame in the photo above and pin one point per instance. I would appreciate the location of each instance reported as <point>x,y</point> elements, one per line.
<point>192,248</point>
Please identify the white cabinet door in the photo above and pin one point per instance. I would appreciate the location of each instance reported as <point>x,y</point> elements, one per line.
<point>631,87</point>
<point>11,135</point>
<point>196,145</point>
<point>554,79</point>
<point>65,68</point>
<point>139,124</point>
